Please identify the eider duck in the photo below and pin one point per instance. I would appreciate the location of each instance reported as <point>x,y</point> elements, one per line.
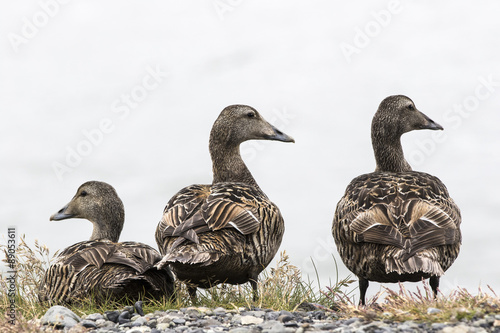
<point>102,267</point>
<point>395,224</point>
<point>229,231</point>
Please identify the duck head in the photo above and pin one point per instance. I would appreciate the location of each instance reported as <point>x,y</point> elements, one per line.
<point>240,123</point>
<point>99,203</point>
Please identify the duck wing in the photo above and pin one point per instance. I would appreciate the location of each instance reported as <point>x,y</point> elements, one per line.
<point>413,212</point>
<point>201,208</point>
<point>105,268</point>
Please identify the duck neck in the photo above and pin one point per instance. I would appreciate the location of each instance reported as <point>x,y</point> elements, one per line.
<point>389,154</point>
<point>109,230</point>
<point>227,164</point>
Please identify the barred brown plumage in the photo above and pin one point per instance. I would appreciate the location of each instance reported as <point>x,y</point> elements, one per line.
<point>396,224</point>
<point>101,267</point>
<point>229,231</point>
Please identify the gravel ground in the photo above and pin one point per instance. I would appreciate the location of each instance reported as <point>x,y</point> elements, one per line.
<point>205,320</point>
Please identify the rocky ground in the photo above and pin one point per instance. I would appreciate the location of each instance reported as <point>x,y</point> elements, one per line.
<point>242,320</point>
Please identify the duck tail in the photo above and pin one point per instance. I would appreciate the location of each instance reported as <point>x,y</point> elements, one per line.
<point>414,264</point>
<point>188,257</point>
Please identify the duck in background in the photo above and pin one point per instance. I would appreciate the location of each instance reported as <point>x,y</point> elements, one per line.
<point>395,224</point>
<point>228,231</point>
<point>101,267</point>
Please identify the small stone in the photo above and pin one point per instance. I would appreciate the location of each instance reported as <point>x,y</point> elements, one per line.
<point>236,320</point>
<point>198,330</point>
<point>112,316</point>
<point>319,315</point>
<point>193,313</point>
<point>94,316</point>
<point>159,313</point>
<point>258,314</point>
<point>129,309</point>
<point>285,318</point>
<point>433,311</point>
<point>88,323</point>
<point>241,330</point>
<point>496,323</point>
<point>124,317</point>
<point>374,325</point>
<point>251,320</point>
<point>273,315</point>
<point>104,323</point>
<point>179,321</point>
<point>204,310</point>
<point>60,316</point>
<point>456,329</point>
<point>162,326</point>
<point>219,311</point>
<point>209,322</point>
<point>480,323</point>
<point>351,321</point>
<point>140,320</point>
<point>328,327</point>
<point>438,326</point>
<point>151,323</point>
<point>141,329</point>
<point>134,317</point>
<point>286,313</point>
<point>164,320</point>
<point>280,328</point>
<point>138,308</point>
<point>75,329</point>
<point>291,324</point>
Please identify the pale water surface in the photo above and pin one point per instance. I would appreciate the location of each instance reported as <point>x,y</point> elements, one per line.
<point>126,92</point>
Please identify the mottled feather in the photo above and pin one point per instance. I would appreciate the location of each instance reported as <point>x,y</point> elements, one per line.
<point>228,231</point>
<point>396,224</point>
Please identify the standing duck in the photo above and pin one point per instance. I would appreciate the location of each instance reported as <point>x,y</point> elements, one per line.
<point>101,266</point>
<point>395,224</point>
<point>229,231</point>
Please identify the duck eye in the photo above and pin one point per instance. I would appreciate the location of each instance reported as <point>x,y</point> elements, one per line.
<point>83,193</point>
<point>250,114</point>
<point>411,107</point>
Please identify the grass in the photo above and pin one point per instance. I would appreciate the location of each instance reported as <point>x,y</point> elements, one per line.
<point>280,288</point>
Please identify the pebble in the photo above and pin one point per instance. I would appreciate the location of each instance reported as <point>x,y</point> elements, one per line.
<point>251,320</point>
<point>242,320</point>
<point>433,311</point>
<point>60,317</point>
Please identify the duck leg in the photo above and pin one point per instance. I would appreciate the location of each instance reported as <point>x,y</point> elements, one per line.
<point>363,285</point>
<point>253,283</point>
<point>192,294</point>
<point>434,282</point>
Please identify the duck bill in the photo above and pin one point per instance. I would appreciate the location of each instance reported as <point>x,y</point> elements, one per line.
<point>430,124</point>
<point>279,136</point>
<point>61,215</point>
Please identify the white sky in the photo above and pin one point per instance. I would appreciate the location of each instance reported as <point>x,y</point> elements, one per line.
<point>153,76</point>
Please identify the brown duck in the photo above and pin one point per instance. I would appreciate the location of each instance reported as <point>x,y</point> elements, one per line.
<point>396,224</point>
<point>229,231</point>
<point>102,267</point>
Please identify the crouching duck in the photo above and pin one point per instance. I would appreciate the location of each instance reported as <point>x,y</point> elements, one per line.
<point>101,267</point>
<point>396,224</point>
<point>229,231</point>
